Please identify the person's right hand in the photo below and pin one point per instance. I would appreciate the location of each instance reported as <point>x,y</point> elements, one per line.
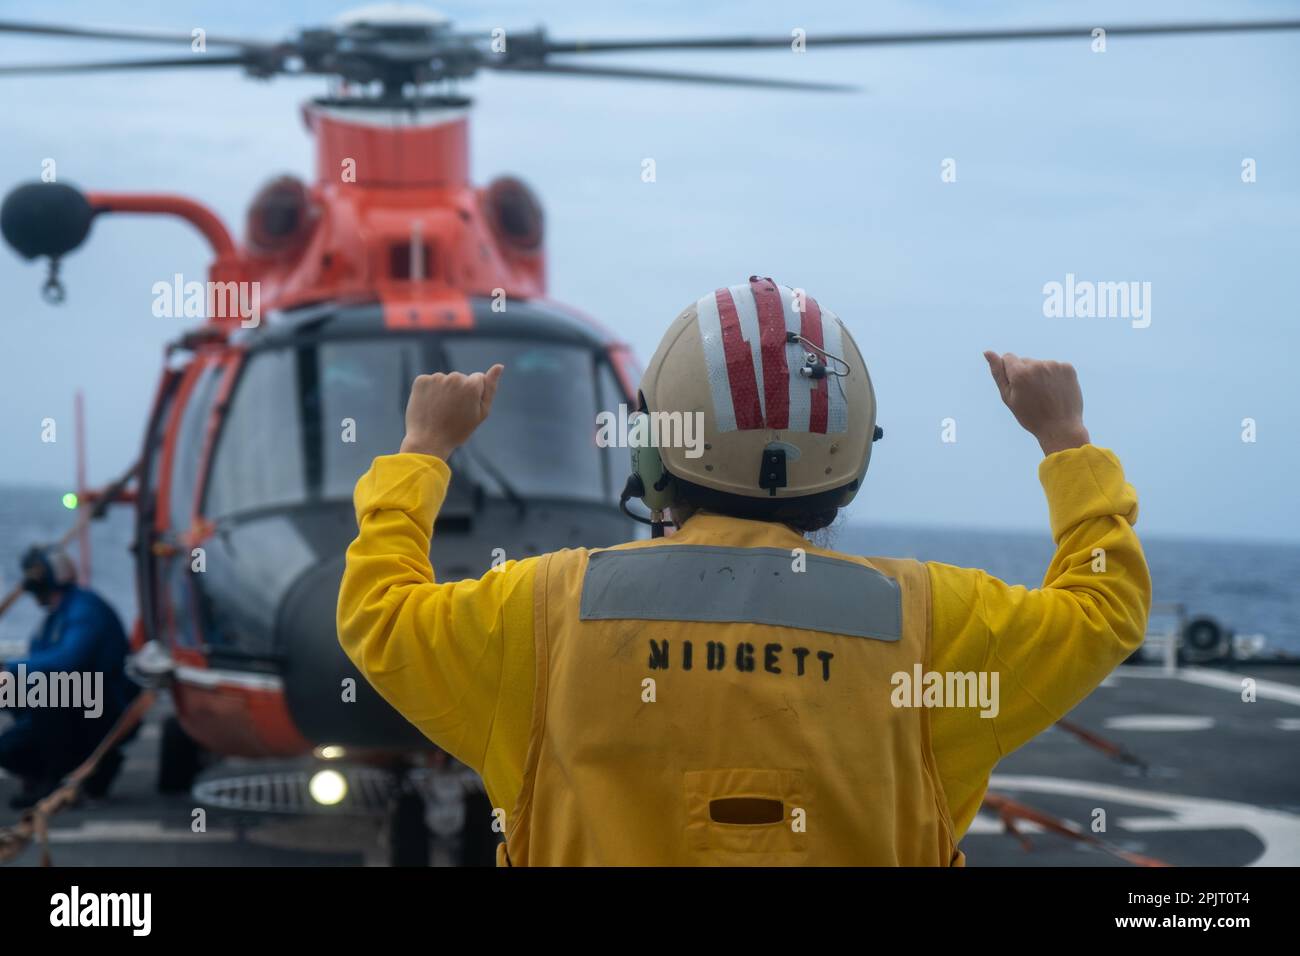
<point>1045,398</point>
<point>444,410</point>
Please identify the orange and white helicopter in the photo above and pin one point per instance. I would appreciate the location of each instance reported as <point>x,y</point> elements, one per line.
<point>390,263</point>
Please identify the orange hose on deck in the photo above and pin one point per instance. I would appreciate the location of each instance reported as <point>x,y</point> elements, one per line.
<point>35,822</point>
<point>1009,811</point>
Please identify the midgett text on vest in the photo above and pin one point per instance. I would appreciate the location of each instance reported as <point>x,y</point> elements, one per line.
<point>53,689</point>
<point>949,689</point>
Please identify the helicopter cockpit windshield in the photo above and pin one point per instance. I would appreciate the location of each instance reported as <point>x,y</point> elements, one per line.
<point>309,417</point>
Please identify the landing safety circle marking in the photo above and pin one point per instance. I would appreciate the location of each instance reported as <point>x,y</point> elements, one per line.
<point>1279,832</point>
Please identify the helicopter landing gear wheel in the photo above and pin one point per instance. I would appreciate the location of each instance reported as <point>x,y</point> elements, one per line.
<point>408,833</point>
<point>478,841</point>
<point>179,758</point>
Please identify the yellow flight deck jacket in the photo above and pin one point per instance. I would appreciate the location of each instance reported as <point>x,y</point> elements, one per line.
<point>733,694</point>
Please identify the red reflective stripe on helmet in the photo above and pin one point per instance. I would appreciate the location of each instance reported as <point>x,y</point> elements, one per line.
<point>810,327</point>
<point>771,337</point>
<point>740,364</point>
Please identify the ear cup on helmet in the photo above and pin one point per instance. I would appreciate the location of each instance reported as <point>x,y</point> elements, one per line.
<point>656,482</point>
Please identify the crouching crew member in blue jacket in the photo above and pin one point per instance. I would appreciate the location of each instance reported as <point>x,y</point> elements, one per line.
<point>79,651</point>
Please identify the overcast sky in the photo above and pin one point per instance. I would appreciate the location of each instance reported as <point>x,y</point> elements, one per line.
<point>1120,166</point>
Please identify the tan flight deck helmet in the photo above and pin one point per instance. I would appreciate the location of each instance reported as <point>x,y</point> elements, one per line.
<point>789,414</point>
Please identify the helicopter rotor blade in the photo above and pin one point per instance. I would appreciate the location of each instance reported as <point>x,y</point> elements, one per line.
<point>887,39</point>
<point>106,66</point>
<point>672,76</point>
<point>132,36</point>
<point>416,53</point>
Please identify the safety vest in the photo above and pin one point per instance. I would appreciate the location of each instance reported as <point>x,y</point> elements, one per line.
<point>723,697</point>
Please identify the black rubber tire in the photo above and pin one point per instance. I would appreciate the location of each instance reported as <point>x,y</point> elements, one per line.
<point>478,841</point>
<point>408,833</point>
<point>180,759</point>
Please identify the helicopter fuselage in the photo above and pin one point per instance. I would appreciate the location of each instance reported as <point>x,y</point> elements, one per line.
<point>389,265</point>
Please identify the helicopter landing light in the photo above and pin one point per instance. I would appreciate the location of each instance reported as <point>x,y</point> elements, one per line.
<point>328,787</point>
<point>368,791</point>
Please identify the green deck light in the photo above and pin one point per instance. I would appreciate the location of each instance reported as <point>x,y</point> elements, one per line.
<point>70,501</point>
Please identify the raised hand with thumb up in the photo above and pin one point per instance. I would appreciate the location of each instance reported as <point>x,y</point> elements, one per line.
<point>1045,398</point>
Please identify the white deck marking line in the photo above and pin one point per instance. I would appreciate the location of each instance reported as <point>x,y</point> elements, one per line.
<point>137,831</point>
<point>210,677</point>
<point>1224,680</point>
<point>986,824</point>
<point>1264,689</point>
<point>1159,722</point>
<point>1278,831</point>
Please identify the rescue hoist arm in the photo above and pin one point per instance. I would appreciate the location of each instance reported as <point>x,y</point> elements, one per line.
<point>51,219</point>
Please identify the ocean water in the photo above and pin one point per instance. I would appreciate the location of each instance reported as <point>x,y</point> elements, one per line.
<point>1251,587</point>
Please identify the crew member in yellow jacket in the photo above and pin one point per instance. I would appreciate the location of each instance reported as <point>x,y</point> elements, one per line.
<point>731,693</point>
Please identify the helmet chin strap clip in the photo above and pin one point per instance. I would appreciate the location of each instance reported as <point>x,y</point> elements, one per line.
<point>771,470</point>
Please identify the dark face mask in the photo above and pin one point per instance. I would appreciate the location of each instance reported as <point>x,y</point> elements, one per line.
<point>41,590</point>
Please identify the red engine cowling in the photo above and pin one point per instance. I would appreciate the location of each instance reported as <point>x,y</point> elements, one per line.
<point>281,218</point>
<point>514,214</point>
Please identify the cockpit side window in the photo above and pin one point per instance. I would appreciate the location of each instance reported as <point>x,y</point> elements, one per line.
<point>616,460</point>
<point>189,447</point>
<point>258,461</point>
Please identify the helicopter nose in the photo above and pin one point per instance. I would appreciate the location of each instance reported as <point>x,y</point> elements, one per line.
<point>329,699</point>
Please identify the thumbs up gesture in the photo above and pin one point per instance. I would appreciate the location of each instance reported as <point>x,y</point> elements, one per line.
<point>1045,398</point>
<point>444,410</point>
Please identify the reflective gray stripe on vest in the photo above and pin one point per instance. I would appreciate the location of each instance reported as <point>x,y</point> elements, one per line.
<point>742,585</point>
